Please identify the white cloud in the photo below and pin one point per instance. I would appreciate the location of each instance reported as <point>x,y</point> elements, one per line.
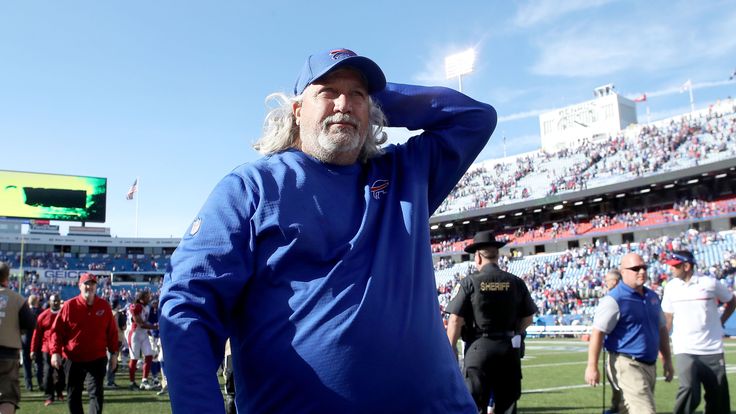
<point>676,89</point>
<point>723,35</point>
<point>503,94</point>
<point>668,113</point>
<point>591,50</point>
<point>523,115</point>
<point>545,11</point>
<point>494,148</point>
<point>513,145</point>
<point>432,74</point>
<point>647,42</point>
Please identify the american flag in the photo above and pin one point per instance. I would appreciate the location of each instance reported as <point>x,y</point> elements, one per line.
<point>133,189</point>
<point>641,98</point>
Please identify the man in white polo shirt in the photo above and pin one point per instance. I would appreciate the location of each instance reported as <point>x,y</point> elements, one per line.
<point>690,306</point>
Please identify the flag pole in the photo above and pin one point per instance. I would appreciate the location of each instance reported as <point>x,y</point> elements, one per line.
<point>20,277</point>
<point>692,101</point>
<point>137,200</point>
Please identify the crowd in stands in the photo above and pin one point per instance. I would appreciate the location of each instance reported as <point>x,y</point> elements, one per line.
<point>571,283</point>
<point>602,223</point>
<point>86,261</point>
<point>690,209</point>
<point>650,149</point>
<point>67,288</point>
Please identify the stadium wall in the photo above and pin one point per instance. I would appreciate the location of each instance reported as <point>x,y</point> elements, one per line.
<point>82,244</point>
<point>633,235</point>
<point>58,275</point>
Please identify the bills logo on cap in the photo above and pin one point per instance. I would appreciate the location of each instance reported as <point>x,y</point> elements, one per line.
<point>379,187</point>
<point>338,54</point>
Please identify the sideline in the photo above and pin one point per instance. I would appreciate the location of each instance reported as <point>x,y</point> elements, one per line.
<point>729,370</point>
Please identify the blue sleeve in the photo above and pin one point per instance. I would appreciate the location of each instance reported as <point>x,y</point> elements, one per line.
<point>456,128</point>
<point>210,268</point>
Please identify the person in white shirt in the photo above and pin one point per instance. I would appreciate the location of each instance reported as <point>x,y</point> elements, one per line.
<point>690,306</point>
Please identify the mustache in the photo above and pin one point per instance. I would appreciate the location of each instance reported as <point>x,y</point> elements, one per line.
<point>341,119</point>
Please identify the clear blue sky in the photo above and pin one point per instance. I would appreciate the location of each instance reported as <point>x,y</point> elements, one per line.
<point>173,91</point>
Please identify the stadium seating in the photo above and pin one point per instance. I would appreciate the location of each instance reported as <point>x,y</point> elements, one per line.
<point>691,210</point>
<point>566,286</point>
<point>640,151</point>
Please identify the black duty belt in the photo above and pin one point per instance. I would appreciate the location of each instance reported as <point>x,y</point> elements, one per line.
<point>498,334</point>
<point>635,358</point>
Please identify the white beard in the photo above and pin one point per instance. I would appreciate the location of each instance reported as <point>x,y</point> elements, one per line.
<point>345,141</point>
<point>332,145</point>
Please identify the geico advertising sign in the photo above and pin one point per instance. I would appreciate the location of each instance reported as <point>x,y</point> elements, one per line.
<point>48,275</point>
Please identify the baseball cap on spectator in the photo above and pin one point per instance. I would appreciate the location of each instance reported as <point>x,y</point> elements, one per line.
<point>319,64</point>
<point>87,277</point>
<point>680,256</point>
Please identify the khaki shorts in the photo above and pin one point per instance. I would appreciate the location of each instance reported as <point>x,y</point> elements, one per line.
<point>9,381</point>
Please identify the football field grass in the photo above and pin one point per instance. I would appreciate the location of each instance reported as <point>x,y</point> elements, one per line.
<point>554,379</point>
<point>553,383</point>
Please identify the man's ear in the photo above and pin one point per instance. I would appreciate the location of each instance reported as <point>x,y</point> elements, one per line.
<point>296,109</point>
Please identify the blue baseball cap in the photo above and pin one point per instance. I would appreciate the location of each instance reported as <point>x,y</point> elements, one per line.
<point>319,64</point>
<point>680,256</point>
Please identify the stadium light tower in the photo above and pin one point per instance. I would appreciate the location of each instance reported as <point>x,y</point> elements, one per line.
<point>460,64</point>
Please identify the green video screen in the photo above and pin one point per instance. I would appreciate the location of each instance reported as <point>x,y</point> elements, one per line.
<point>52,196</point>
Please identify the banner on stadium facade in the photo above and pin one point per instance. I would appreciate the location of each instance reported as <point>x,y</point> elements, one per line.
<point>58,275</point>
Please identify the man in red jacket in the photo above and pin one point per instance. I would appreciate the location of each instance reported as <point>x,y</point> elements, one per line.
<point>84,331</point>
<point>41,343</point>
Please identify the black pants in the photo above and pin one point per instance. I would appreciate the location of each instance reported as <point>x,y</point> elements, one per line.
<point>28,364</point>
<point>54,380</point>
<point>76,372</point>
<point>708,370</point>
<point>493,366</point>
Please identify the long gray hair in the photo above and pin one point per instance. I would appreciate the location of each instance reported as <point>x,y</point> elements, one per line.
<point>280,131</point>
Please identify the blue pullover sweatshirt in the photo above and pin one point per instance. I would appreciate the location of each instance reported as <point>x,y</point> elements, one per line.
<point>322,275</point>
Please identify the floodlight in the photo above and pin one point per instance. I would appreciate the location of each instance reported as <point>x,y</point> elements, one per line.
<point>460,63</point>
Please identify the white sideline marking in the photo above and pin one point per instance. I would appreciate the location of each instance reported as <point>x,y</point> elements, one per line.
<point>554,364</point>
<point>729,370</point>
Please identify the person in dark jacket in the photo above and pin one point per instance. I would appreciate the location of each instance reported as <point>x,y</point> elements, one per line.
<point>41,345</point>
<point>15,316</point>
<point>492,308</point>
<point>30,361</point>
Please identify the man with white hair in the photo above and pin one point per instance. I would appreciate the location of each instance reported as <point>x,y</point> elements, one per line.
<point>316,259</point>
<point>83,333</point>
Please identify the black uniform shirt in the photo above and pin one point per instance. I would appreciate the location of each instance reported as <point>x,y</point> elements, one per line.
<point>492,301</point>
